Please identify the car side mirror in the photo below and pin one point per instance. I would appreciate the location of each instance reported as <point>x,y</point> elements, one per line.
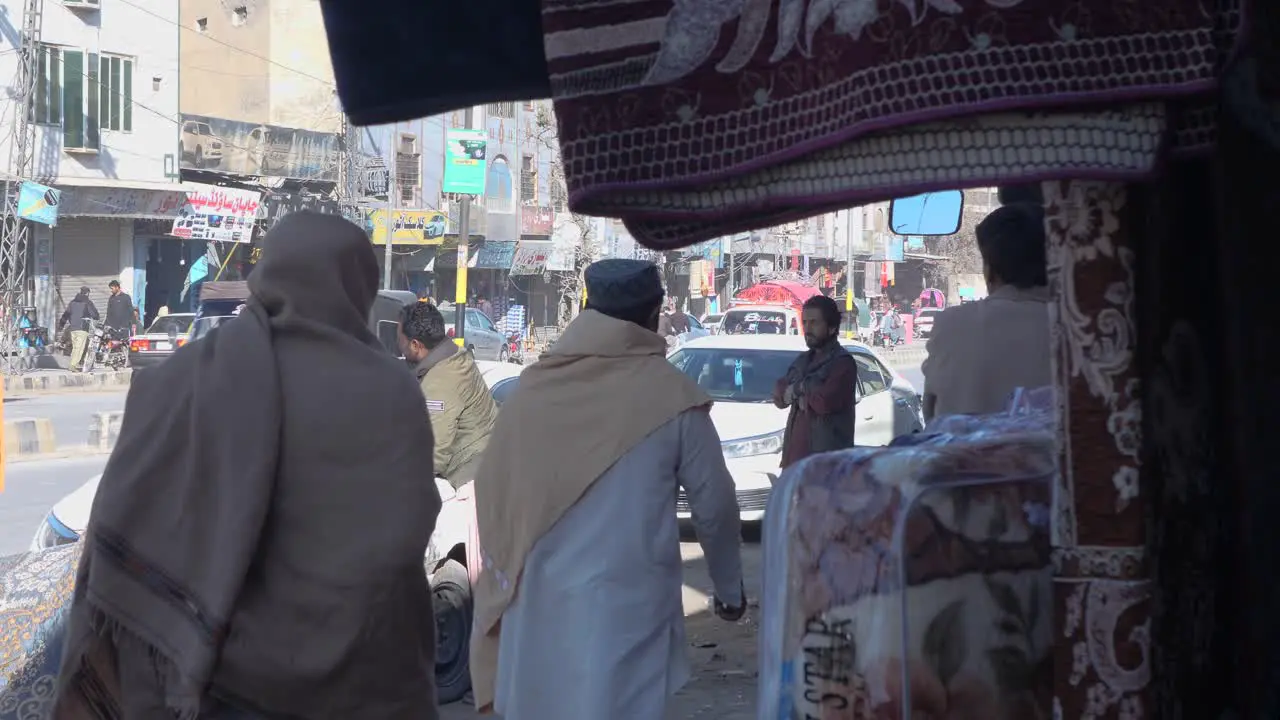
<point>935,213</point>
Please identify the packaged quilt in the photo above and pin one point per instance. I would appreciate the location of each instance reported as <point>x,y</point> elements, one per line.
<point>913,581</point>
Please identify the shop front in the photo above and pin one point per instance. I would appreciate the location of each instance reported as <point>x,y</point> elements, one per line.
<point>93,241</point>
<point>209,239</point>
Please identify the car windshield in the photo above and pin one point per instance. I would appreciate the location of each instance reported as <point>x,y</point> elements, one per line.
<point>179,324</point>
<point>202,326</point>
<point>738,375</point>
<point>756,322</point>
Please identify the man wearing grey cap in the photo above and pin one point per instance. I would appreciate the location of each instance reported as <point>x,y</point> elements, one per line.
<point>579,614</point>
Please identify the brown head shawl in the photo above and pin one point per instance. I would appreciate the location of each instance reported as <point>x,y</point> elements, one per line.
<point>259,530</point>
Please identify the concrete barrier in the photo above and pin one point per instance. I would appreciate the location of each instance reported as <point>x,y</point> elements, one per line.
<point>62,381</point>
<point>904,356</point>
<point>104,429</point>
<point>24,438</point>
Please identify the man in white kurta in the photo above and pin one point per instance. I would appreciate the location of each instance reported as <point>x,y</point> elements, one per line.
<point>601,592</point>
<point>578,601</point>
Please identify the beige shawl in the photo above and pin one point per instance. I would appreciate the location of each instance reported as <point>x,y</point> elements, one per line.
<point>603,387</point>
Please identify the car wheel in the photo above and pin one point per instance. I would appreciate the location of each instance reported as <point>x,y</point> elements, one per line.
<point>452,605</point>
<point>199,157</point>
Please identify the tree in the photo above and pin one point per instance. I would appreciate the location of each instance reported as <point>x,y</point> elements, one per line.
<point>961,248</point>
<point>581,231</point>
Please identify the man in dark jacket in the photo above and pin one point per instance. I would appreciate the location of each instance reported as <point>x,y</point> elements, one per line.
<point>120,313</point>
<point>80,308</point>
<point>819,387</point>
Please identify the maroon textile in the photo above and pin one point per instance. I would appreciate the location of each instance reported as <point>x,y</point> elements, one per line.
<point>695,118</point>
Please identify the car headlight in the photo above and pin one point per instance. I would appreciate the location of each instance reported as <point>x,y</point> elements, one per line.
<point>752,446</point>
<point>53,533</point>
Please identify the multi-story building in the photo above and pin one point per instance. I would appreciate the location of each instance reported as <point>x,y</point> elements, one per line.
<point>106,129</point>
<point>260,120</point>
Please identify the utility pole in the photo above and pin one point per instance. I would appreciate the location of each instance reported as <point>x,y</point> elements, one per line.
<point>15,233</point>
<point>392,188</point>
<point>850,313</point>
<point>464,252</point>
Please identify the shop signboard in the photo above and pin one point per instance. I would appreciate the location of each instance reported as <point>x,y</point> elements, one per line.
<point>38,203</point>
<point>496,255</point>
<point>536,221</point>
<point>221,214</point>
<point>530,259</point>
<point>231,146</point>
<point>464,161</point>
<point>410,227</point>
<point>122,203</point>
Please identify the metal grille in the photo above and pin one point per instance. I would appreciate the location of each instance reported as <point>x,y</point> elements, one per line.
<point>748,500</point>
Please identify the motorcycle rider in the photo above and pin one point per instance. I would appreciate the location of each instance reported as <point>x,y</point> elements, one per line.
<point>461,409</point>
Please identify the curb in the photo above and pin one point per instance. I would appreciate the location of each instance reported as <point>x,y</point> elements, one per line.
<point>26,438</point>
<point>62,382</point>
<point>104,430</point>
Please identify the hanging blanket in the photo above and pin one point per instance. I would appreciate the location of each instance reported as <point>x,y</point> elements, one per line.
<point>35,591</point>
<point>693,119</point>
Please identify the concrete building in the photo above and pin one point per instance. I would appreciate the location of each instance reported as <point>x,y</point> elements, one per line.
<point>106,133</point>
<point>260,119</point>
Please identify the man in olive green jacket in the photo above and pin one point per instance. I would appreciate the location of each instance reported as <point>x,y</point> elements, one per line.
<point>462,410</point>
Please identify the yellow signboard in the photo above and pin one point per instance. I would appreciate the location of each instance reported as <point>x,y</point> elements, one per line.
<point>412,227</point>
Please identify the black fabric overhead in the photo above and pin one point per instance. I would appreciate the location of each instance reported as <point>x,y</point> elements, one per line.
<point>404,59</point>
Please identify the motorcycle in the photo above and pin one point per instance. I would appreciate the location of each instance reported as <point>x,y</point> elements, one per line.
<point>108,347</point>
<point>515,348</point>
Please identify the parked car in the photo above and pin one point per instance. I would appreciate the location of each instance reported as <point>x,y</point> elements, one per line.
<point>695,331</point>
<point>750,426</point>
<point>482,337</point>
<point>450,560</point>
<point>712,322</point>
<point>157,342</point>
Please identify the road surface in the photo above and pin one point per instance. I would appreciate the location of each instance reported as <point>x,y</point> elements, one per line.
<point>70,411</point>
<point>30,490</point>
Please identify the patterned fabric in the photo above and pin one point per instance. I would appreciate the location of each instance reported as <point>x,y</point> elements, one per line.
<point>941,548</point>
<point>688,137</point>
<point>1102,582</point>
<point>35,591</point>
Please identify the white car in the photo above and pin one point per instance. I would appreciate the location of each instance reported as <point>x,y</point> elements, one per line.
<point>739,372</point>
<point>450,560</point>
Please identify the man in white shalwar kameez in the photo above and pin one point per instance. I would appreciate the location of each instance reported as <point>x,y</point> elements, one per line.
<point>578,606</point>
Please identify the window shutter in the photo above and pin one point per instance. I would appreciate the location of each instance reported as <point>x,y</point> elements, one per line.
<point>127,123</point>
<point>55,86</point>
<point>114,84</point>
<point>73,99</point>
<point>93,122</point>
<point>41,108</point>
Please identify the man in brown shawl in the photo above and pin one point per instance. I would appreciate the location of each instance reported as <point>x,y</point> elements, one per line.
<point>256,544</point>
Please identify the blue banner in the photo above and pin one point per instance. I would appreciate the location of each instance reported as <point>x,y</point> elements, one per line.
<point>38,203</point>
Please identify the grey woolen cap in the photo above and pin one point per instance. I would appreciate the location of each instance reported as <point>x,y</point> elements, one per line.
<point>618,284</point>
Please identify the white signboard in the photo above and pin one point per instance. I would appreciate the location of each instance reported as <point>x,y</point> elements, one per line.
<point>217,213</point>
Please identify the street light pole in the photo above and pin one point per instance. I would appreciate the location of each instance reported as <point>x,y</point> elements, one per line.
<point>464,237</point>
<point>389,227</point>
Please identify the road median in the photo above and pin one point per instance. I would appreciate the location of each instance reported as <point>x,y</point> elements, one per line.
<point>104,430</point>
<point>54,382</point>
<point>29,438</point>
<point>904,356</point>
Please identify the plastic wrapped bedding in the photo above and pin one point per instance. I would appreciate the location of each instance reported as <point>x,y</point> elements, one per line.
<point>922,566</point>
